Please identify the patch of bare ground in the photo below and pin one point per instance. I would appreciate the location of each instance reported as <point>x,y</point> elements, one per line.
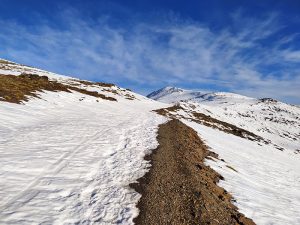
<point>16,89</point>
<point>180,188</point>
<point>101,84</point>
<point>4,62</point>
<point>129,97</point>
<point>226,127</point>
<point>106,85</point>
<point>214,123</point>
<point>92,93</point>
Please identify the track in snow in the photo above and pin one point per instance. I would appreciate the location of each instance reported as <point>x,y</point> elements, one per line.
<point>73,163</point>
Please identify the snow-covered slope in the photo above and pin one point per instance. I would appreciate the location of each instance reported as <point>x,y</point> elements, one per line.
<point>262,172</point>
<point>173,94</point>
<point>68,157</point>
<point>12,68</point>
<point>264,181</point>
<point>273,120</point>
<point>276,122</point>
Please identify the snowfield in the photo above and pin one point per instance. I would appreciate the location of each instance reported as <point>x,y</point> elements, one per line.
<point>11,68</point>
<point>173,94</point>
<point>263,178</point>
<point>67,159</point>
<point>266,182</point>
<point>275,121</point>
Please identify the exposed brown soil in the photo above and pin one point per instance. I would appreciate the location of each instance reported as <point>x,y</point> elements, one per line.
<point>101,84</point>
<point>16,89</point>
<point>214,123</point>
<point>129,97</point>
<point>4,62</point>
<point>180,188</point>
<point>226,127</point>
<point>92,93</point>
<point>107,85</point>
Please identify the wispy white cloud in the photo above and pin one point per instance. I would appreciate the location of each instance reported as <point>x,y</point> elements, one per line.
<point>292,56</point>
<point>237,58</point>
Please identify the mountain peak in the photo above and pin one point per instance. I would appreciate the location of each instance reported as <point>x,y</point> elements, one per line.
<point>163,92</point>
<point>174,94</point>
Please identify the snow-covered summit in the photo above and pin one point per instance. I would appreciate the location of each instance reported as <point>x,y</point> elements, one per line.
<point>164,91</point>
<point>174,94</point>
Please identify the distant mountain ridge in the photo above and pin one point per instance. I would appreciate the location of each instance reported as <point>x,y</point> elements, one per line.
<point>273,120</point>
<point>174,94</point>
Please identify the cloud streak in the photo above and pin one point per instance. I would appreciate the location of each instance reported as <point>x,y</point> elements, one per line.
<point>148,55</point>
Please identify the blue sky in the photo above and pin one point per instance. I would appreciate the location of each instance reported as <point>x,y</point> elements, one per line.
<point>246,47</point>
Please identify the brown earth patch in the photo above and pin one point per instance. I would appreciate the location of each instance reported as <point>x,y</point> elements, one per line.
<point>16,89</point>
<point>226,127</point>
<point>230,167</point>
<point>214,123</point>
<point>106,85</point>
<point>180,188</point>
<point>4,62</point>
<point>130,97</point>
<point>92,93</point>
<point>101,84</point>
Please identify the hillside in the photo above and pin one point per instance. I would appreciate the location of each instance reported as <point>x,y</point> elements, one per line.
<point>173,94</point>
<point>81,152</point>
<point>257,142</point>
<point>70,148</point>
<point>276,122</point>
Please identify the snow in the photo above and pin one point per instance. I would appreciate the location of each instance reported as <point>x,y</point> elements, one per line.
<point>267,182</point>
<point>277,122</point>
<point>65,161</point>
<point>273,120</point>
<point>68,158</point>
<point>16,69</point>
<point>9,72</point>
<point>173,94</point>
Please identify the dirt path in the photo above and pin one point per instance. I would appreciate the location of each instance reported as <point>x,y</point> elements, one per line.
<point>179,188</point>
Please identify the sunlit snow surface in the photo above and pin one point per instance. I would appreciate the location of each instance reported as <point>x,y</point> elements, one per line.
<point>275,121</point>
<point>68,159</point>
<point>267,182</point>
<point>65,161</point>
